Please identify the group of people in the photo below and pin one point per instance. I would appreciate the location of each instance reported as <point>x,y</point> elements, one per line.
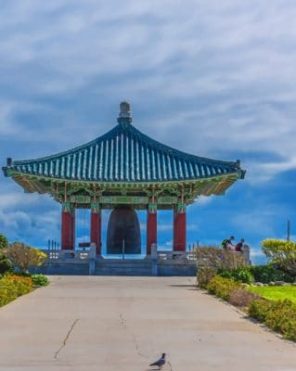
<point>228,244</point>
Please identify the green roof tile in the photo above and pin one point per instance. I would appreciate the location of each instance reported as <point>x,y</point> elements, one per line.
<point>125,154</point>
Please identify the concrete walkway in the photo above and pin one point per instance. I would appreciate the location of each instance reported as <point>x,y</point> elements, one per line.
<point>124,323</point>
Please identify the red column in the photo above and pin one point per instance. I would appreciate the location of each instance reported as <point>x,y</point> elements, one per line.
<point>180,229</point>
<point>68,229</point>
<point>95,229</point>
<point>73,227</point>
<point>151,229</point>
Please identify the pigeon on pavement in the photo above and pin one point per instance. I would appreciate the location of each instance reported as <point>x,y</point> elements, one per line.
<point>160,362</point>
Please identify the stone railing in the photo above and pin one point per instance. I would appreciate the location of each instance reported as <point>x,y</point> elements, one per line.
<point>83,256</point>
<point>75,255</point>
<point>176,256</point>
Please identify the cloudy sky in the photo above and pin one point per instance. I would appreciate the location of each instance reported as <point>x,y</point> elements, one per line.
<point>213,78</point>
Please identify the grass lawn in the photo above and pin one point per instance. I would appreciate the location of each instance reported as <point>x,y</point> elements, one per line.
<point>276,292</point>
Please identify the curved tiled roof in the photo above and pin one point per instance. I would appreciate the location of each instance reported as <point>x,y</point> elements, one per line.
<point>124,154</point>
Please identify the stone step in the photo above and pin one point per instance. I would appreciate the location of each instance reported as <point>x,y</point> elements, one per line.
<point>123,263</point>
<point>63,269</point>
<point>124,267</point>
<point>117,267</point>
<point>122,272</point>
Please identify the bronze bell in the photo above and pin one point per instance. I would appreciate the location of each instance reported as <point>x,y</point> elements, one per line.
<point>123,232</point>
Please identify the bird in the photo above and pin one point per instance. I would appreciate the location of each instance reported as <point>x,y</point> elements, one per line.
<point>160,362</point>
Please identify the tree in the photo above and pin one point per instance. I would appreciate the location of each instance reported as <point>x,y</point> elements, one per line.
<point>23,257</point>
<point>5,264</point>
<point>281,253</point>
<point>3,242</point>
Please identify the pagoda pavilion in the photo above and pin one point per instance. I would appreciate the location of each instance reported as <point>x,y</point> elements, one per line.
<point>124,170</point>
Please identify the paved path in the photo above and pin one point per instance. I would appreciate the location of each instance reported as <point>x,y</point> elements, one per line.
<point>123,323</point>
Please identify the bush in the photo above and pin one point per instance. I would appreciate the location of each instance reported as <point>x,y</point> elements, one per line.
<point>39,280</point>
<point>222,287</point>
<point>242,274</point>
<point>268,273</point>
<point>23,257</point>
<point>278,315</point>
<point>8,291</point>
<point>212,257</point>
<point>12,286</point>
<point>240,297</point>
<point>22,284</point>
<point>288,329</point>
<point>258,309</point>
<point>204,276</point>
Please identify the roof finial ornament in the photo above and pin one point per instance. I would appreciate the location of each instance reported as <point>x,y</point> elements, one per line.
<point>125,113</point>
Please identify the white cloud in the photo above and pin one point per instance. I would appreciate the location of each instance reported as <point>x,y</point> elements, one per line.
<point>213,78</point>
<point>260,219</point>
<point>256,253</point>
<point>225,70</point>
<point>165,246</point>
<point>204,200</point>
<point>162,227</point>
<point>17,199</point>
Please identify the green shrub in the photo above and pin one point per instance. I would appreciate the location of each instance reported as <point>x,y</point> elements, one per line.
<point>225,273</point>
<point>222,287</point>
<point>23,284</point>
<point>258,309</point>
<point>242,274</point>
<point>278,315</point>
<point>289,329</point>
<point>12,286</point>
<point>268,273</point>
<point>39,280</point>
<point>8,291</point>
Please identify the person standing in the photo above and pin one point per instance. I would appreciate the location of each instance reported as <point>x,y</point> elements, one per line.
<point>227,243</point>
<point>239,246</point>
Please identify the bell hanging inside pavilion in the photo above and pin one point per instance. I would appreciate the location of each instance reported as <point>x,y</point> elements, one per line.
<point>123,234</point>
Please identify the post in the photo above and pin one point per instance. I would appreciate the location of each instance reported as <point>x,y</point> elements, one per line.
<point>154,259</point>
<point>68,227</point>
<point>246,254</point>
<point>123,249</point>
<point>73,226</point>
<point>92,259</point>
<point>180,228</point>
<point>95,227</point>
<point>151,227</point>
<point>288,230</point>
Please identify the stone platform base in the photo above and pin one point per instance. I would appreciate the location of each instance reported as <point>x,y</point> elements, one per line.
<point>116,267</point>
